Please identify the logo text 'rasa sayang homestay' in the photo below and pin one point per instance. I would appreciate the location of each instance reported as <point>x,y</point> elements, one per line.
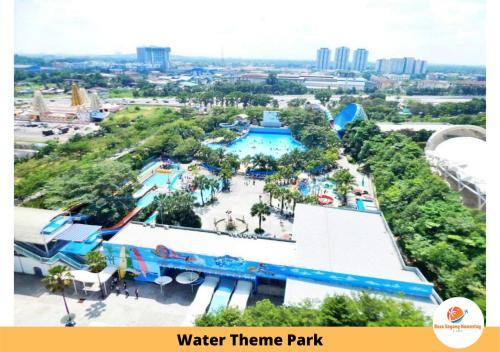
<point>455,315</point>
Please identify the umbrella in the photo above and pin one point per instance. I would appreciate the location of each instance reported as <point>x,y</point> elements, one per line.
<point>163,280</point>
<point>187,277</point>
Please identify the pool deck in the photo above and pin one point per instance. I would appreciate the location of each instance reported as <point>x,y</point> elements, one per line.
<point>240,201</point>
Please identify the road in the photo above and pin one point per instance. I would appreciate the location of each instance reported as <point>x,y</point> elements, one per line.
<point>414,126</point>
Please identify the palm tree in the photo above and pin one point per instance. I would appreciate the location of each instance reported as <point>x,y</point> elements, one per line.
<point>201,182</point>
<point>161,201</point>
<point>58,279</point>
<point>96,262</point>
<point>225,173</point>
<point>344,182</point>
<point>295,197</point>
<point>260,209</point>
<point>213,184</point>
<point>270,187</point>
<point>281,193</point>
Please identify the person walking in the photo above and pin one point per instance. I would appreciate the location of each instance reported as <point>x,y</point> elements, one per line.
<point>136,293</point>
<point>124,285</point>
<point>126,293</point>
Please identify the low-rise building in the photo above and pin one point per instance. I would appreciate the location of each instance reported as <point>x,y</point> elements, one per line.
<point>425,83</point>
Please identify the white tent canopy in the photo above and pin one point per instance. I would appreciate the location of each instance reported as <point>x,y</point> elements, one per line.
<point>86,277</point>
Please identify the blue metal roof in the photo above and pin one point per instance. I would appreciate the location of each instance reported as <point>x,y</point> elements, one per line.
<point>78,232</point>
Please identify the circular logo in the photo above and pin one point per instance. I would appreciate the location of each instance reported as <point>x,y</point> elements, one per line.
<point>458,322</point>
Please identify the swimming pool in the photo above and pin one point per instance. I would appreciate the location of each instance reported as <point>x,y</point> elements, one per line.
<point>268,141</point>
<point>55,224</point>
<point>159,180</point>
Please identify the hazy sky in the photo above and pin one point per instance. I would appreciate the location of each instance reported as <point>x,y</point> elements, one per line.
<point>441,31</point>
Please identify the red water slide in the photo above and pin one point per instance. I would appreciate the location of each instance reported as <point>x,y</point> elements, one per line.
<point>123,221</point>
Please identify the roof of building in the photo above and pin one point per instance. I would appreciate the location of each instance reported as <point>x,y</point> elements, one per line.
<point>78,232</point>
<point>461,149</point>
<point>207,243</point>
<point>29,222</point>
<point>344,241</point>
<point>347,241</point>
<point>468,155</point>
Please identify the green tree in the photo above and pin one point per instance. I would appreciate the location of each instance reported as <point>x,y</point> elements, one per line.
<point>202,183</point>
<point>105,187</point>
<point>323,95</point>
<point>177,209</point>
<point>96,262</point>
<point>270,187</point>
<point>57,280</point>
<point>225,174</point>
<point>260,209</point>
<point>344,183</point>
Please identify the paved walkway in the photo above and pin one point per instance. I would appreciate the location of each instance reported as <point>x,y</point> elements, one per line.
<point>243,195</point>
<point>361,179</point>
<point>34,306</point>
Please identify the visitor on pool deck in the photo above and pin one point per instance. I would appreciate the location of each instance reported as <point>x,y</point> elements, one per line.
<point>117,290</point>
<point>136,293</point>
<point>126,293</point>
<point>124,285</point>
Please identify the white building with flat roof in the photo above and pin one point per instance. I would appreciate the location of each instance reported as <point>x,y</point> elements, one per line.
<point>350,241</point>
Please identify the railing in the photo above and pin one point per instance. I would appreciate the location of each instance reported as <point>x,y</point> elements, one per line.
<point>50,260</point>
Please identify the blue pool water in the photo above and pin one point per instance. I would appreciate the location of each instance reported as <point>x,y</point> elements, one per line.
<point>273,144</point>
<point>158,179</point>
<point>82,248</point>
<point>360,204</point>
<point>147,199</point>
<point>55,224</point>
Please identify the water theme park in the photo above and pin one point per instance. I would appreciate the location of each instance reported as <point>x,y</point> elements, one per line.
<point>308,251</point>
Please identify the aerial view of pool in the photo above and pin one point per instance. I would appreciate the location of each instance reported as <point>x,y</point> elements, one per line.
<point>269,141</point>
<point>159,180</point>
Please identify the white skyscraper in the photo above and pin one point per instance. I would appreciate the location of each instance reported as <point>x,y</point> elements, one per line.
<point>383,66</point>
<point>342,58</point>
<point>359,59</point>
<point>323,59</point>
<point>154,57</point>
<point>397,66</point>
<point>420,67</point>
<point>409,66</point>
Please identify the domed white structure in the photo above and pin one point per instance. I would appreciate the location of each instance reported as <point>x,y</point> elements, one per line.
<point>458,153</point>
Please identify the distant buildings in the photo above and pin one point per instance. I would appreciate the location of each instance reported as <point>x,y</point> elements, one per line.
<point>323,59</point>
<point>359,60</point>
<point>312,81</point>
<point>342,58</point>
<point>406,65</point>
<point>154,57</point>
<point>420,67</point>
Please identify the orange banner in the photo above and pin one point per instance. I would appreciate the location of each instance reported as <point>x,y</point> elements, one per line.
<point>232,339</point>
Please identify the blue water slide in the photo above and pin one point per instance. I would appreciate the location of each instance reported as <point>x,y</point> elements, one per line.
<point>348,114</point>
<point>222,295</point>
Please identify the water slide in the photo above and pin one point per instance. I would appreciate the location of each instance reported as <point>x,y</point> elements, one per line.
<point>222,295</point>
<point>123,221</point>
<point>240,295</point>
<point>202,300</point>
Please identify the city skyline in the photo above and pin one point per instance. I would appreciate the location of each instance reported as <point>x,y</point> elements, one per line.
<point>225,33</point>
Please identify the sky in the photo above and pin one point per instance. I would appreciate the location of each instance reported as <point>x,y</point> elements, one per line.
<point>440,31</point>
